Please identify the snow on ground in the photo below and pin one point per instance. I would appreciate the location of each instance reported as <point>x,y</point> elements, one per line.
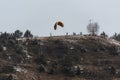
<point>18,69</point>
<point>113,41</point>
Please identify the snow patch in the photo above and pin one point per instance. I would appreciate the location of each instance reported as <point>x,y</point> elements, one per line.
<point>18,69</point>
<point>113,41</point>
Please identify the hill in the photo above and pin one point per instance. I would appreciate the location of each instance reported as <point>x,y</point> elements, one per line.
<point>60,58</point>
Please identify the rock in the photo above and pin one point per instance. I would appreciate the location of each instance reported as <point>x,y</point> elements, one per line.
<point>4,48</point>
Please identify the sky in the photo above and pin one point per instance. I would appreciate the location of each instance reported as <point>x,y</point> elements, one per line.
<point>39,16</point>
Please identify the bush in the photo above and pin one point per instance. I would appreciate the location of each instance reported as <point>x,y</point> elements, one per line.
<point>41,68</point>
<point>40,60</point>
<point>7,69</point>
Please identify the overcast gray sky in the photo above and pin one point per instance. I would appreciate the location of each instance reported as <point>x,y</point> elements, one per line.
<point>39,16</point>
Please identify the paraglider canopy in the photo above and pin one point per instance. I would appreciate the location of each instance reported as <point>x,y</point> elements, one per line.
<point>58,23</point>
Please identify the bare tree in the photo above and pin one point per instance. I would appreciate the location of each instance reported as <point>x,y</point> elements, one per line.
<point>93,28</point>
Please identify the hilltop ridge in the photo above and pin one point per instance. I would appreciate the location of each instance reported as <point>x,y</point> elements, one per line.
<point>60,57</point>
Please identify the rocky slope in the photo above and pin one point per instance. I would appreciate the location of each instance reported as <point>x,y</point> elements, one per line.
<point>60,58</point>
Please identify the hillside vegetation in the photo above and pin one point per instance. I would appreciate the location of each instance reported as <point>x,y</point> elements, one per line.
<point>59,58</point>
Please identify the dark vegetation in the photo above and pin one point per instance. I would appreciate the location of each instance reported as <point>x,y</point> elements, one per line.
<point>116,36</point>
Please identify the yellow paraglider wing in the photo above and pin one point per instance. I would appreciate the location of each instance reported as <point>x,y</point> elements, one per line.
<point>55,26</point>
<point>58,23</point>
